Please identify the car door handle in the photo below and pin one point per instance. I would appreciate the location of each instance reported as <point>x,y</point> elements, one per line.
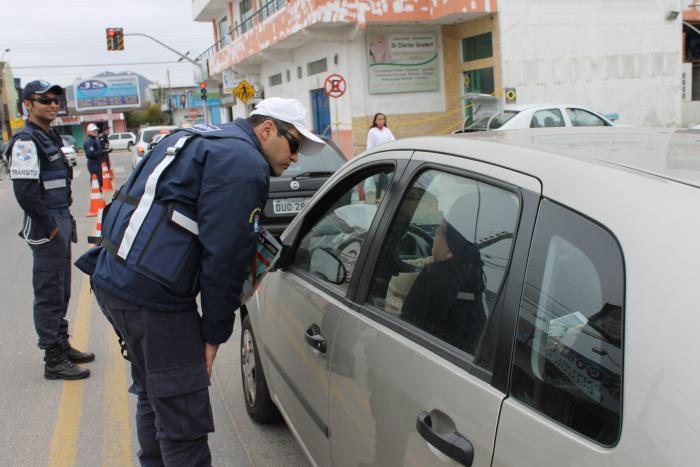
<point>315,339</point>
<point>453,445</point>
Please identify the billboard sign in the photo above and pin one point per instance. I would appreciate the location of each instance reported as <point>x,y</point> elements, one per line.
<point>403,63</point>
<point>107,92</point>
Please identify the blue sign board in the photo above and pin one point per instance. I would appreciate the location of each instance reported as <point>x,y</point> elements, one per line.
<point>107,92</point>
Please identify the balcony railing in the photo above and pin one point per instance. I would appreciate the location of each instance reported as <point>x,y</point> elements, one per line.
<point>256,18</point>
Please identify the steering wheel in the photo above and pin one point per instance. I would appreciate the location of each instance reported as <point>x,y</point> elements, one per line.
<point>416,242</point>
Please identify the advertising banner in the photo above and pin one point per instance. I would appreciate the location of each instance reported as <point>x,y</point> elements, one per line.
<point>107,92</point>
<point>403,63</point>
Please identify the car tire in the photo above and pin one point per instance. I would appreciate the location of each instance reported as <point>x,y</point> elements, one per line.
<point>256,395</point>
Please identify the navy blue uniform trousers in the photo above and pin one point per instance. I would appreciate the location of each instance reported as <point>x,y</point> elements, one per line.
<point>173,412</point>
<point>94,166</point>
<point>51,276</point>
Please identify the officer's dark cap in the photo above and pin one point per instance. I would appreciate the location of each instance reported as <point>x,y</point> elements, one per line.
<point>40,87</point>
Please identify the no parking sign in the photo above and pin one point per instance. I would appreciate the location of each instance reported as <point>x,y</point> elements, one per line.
<point>335,86</point>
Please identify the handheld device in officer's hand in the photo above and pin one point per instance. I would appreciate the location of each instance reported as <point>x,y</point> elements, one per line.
<point>267,252</point>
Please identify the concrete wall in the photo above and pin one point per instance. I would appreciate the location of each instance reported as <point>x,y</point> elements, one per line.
<point>618,56</point>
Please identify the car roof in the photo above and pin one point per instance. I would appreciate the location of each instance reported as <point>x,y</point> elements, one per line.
<point>522,107</point>
<point>665,153</point>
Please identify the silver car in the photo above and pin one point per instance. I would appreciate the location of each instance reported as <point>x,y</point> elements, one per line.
<point>516,298</point>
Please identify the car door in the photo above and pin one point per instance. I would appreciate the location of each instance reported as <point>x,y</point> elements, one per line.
<point>419,367</point>
<point>305,301</point>
<point>567,371</point>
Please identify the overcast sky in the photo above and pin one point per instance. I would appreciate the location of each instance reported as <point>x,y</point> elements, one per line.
<point>42,34</point>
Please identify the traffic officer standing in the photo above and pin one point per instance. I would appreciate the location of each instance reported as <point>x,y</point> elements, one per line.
<point>94,153</point>
<point>104,142</point>
<point>41,179</point>
<point>186,223</point>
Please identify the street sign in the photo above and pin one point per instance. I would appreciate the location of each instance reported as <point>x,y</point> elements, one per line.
<point>335,86</point>
<point>244,91</point>
<point>511,96</point>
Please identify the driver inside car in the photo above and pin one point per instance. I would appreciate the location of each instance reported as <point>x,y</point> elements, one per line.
<point>446,298</point>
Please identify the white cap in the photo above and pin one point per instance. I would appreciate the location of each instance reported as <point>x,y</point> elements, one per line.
<point>291,111</point>
<point>91,127</point>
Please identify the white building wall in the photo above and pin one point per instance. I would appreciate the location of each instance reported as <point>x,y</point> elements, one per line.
<point>615,56</point>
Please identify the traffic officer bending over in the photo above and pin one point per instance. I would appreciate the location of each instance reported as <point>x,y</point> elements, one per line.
<point>186,223</point>
<point>94,153</point>
<point>41,179</point>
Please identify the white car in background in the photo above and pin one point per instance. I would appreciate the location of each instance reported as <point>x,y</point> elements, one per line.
<point>69,152</point>
<point>144,137</point>
<point>516,117</point>
<point>123,140</point>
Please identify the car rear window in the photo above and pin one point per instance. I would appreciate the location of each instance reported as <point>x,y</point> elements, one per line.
<point>568,355</point>
<point>149,134</point>
<point>496,122</point>
<point>328,160</point>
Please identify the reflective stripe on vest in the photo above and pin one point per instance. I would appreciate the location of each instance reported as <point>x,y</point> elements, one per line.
<point>53,184</point>
<point>147,199</point>
<point>185,222</point>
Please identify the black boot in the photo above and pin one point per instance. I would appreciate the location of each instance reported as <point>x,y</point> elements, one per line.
<point>59,367</point>
<point>76,356</point>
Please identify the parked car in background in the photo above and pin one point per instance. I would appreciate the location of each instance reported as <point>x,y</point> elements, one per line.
<point>144,137</point>
<point>515,117</point>
<point>69,141</point>
<point>503,303</point>
<point>290,192</point>
<point>123,140</point>
<point>70,154</point>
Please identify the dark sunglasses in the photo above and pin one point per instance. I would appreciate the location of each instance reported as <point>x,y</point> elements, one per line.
<point>294,143</point>
<point>45,100</point>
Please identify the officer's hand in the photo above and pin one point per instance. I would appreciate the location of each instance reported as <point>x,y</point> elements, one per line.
<point>53,233</point>
<point>209,355</point>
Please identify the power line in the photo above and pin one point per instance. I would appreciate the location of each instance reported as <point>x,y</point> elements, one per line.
<point>95,64</point>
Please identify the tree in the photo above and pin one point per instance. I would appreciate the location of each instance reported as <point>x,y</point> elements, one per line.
<point>152,116</point>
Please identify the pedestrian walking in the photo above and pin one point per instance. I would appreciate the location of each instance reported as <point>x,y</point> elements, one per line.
<point>94,153</point>
<point>379,132</point>
<point>41,178</point>
<point>186,223</point>
<point>103,138</point>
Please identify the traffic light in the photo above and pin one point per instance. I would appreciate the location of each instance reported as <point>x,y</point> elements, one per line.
<point>115,39</point>
<point>203,90</point>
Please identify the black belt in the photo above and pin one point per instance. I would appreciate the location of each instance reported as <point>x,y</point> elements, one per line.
<point>128,199</point>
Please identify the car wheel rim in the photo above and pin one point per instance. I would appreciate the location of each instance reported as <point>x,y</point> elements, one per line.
<point>248,365</point>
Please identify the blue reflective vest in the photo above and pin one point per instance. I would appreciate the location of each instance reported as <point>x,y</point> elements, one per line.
<point>33,150</point>
<point>185,222</point>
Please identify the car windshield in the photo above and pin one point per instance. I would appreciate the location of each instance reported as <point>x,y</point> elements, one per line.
<point>328,160</point>
<point>149,134</point>
<point>496,121</point>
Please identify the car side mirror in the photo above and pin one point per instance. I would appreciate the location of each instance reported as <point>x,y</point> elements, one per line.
<point>327,266</point>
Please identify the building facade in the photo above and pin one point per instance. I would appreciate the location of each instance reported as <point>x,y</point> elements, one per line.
<point>10,117</point>
<point>420,62</point>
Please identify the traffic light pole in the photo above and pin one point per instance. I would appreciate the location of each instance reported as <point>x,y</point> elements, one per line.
<point>182,56</point>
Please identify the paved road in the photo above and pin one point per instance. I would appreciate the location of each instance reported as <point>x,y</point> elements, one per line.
<point>91,422</point>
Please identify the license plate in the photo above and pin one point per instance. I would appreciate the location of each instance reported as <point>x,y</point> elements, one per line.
<point>288,205</point>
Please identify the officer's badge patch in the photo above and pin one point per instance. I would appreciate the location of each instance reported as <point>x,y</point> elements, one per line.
<point>254,219</point>
<point>24,162</point>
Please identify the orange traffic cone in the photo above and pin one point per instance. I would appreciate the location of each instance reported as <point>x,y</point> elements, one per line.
<point>106,178</point>
<point>98,229</point>
<point>96,201</point>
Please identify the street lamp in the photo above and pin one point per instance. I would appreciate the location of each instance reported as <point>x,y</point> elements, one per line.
<point>3,54</point>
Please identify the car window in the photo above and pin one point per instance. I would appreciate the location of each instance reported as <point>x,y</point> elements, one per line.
<point>149,134</point>
<point>327,160</point>
<point>113,137</point>
<point>330,248</point>
<point>444,259</point>
<point>580,117</point>
<point>494,122</point>
<point>547,119</point>
<point>568,357</point>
